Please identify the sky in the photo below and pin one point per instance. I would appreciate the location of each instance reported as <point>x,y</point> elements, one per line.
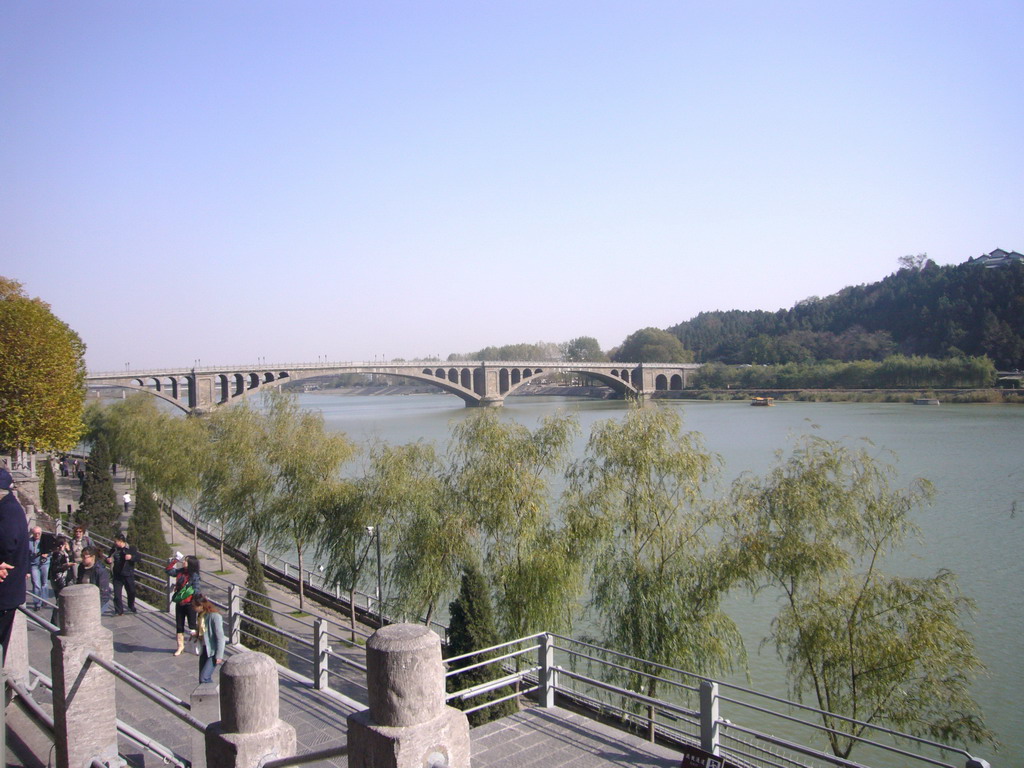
<point>233,182</point>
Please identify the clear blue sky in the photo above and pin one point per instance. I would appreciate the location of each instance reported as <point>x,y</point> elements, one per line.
<point>224,181</point>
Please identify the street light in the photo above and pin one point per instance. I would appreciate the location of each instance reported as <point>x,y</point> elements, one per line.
<point>374,531</point>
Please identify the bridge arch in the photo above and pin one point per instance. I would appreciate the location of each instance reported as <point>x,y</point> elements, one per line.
<point>611,379</point>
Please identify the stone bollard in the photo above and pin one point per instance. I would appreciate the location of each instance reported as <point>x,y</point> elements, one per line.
<point>16,661</point>
<point>205,702</point>
<point>84,709</point>
<point>249,730</point>
<point>408,724</point>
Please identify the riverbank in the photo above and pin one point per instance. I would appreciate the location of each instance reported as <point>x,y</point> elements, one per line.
<point>951,396</point>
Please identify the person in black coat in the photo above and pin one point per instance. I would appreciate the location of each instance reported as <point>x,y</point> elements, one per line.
<point>122,557</point>
<point>13,556</point>
<point>93,571</point>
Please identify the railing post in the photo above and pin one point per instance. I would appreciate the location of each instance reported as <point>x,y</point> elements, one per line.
<point>408,724</point>
<point>16,662</point>
<point>321,680</point>
<point>234,615</point>
<point>205,701</point>
<point>84,707</point>
<point>548,673</point>
<point>709,717</point>
<point>250,729</point>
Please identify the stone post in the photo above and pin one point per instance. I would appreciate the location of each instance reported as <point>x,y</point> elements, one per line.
<point>408,724</point>
<point>16,663</point>
<point>249,731</point>
<point>84,710</point>
<point>205,702</point>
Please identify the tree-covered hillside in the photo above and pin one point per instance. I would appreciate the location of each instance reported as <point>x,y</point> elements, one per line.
<point>936,311</point>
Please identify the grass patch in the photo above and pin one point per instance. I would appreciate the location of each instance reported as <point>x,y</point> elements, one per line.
<point>299,614</point>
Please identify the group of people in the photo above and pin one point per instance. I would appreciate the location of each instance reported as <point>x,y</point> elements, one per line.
<point>77,560</point>
<point>26,554</point>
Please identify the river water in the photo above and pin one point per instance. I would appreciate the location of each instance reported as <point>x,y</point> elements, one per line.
<point>974,455</point>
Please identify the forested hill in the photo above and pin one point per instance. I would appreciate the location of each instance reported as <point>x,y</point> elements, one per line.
<point>936,311</point>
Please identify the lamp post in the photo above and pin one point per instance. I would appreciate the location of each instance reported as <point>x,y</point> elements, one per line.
<point>221,544</point>
<point>375,532</point>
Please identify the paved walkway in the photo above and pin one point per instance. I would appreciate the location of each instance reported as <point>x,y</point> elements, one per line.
<point>144,643</point>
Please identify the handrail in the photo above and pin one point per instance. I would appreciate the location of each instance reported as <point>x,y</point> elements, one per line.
<point>309,757</point>
<point>147,690</point>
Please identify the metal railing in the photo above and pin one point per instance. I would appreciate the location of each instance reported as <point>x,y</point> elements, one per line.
<point>720,718</point>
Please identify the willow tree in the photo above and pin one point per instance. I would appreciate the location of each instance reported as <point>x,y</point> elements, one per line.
<point>166,451</point>
<point>304,460</point>
<point>397,487</point>
<point>42,375</point>
<point>238,485</point>
<point>499,484</point>
<point>402,495</point>
<point>658,575</point>
<point>864,645</point>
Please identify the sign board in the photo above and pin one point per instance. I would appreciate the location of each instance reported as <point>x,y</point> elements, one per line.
<point>694,757</point>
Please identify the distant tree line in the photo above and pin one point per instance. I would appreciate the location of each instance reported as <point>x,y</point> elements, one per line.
<point>894,372</point>
<point>638,528</point>
<point>922,310</point>
<point>961,310</point>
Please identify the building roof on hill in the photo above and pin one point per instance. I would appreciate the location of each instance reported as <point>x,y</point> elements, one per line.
<point>998,258</point>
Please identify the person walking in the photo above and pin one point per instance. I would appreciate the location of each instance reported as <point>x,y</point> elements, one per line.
<point>186,585</point>
<point>122,557</point>
<point>210,636</point>
<point>37,566</point>
<point>127,499</point>
<point>13,556</point>
<point>93,571</point>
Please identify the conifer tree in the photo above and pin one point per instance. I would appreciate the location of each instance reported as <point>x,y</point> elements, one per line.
<point>257,606</point>
<point>472,628</point>
<point>146,533</point>
<point>98,508</point>
<point>51,502</point>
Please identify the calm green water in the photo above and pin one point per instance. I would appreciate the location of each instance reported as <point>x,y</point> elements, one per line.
<point>972,453</point>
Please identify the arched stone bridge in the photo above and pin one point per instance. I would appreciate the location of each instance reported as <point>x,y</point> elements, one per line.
<point>478,384</point>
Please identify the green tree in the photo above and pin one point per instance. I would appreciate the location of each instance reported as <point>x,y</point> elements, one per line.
<point>238,483</point>
<point>146,533</point>
<point>42,375</point>
<point>427,539</point>
<point>98,507</point>
<point>652,345</point>
<point>658,576</point>
<point>304,459</point>
<point>257,606</point>
<point>584,349</point>
<point>50,499</point>
<point>499,485</point>
<point>471,627</point>
<point>865,645</point>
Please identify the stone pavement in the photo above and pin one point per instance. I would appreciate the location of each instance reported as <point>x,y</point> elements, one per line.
<point>144,643</point>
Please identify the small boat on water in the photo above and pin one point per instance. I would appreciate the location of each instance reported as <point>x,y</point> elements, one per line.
<point>926,401</point>
<point>764,401</point>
